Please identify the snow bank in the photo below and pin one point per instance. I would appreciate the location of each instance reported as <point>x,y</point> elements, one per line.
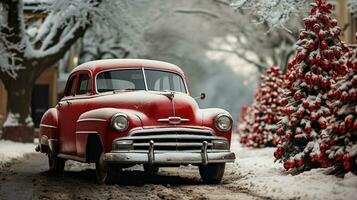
<point>259,174</point>
<point>10,150</point>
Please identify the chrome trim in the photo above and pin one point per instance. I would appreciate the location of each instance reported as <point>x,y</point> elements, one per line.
<point>91,119</point>
<point>169,157</point>
<point>220,115</point>
<point>171,129</point>
<point>87,132</point>
<point>144,76</point>
<point>47,126</point>
<point>151,155</point>
<point>204,153</point>
<point>168,120</point>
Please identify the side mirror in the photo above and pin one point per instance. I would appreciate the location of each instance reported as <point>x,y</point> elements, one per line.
<point>202,96</point>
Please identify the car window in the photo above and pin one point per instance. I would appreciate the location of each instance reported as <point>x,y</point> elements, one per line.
<point>71,85</point>
<point>125,79</point>
<point>162,80</point>
<point>84,84</point>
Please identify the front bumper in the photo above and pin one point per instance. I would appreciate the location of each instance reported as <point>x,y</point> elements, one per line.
<point>202,157</point>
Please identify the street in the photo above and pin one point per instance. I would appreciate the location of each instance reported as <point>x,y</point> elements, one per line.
<point>27,178</point>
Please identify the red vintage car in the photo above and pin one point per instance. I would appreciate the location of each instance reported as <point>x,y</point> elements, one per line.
<point>122,112</point>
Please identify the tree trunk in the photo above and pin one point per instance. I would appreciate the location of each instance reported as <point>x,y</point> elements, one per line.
<point>18,125</point>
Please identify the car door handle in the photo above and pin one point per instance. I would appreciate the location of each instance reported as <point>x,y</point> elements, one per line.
<point>69,103</point>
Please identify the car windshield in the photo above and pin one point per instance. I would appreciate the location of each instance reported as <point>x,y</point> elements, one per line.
<point>133,79</point>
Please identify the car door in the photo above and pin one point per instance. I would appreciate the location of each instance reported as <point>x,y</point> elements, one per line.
<point>66,117</point>
<point>73,106</point>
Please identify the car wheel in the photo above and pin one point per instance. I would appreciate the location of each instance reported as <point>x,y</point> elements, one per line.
<point>55,163</point>
<point>212,173</point>
<point>150,169</point>
<point>107,173</point>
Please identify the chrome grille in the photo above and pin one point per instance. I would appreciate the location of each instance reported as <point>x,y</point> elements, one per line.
<point>172,140</point>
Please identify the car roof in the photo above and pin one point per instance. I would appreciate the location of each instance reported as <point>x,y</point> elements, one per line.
<point>100,65</point>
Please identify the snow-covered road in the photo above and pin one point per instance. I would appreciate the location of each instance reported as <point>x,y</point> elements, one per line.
<point>27,178</point>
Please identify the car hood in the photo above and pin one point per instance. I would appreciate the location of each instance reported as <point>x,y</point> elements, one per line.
<point>156,108</point>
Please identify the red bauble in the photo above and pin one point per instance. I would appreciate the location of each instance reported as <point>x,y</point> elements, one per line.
<point>348,122</point>
<point>297,95</point>
<point>308,129</point>
<point>325,65</point>
<point>325,83</point>
<point>323,124</point>
<point>288,136</point>
<point>292,121</point>
<point>305,104</point>
<point>346,156</point>
<point>300,114</point>
<point>301,56</point>
<point>311,46</point>
<point>299,162</point>
<point>346,165</point>
<point>317,28</point>
<point>324,45</point>
<point>344,96</point>
<point>283,102</point>
<point>322,35</point>
<point>330,54</point>
<point>302,36</point>
<point>315,79</point>
<point>317,104</point>
<point>335,128</point>
<point>355,125</point>
<point>338,156</point>
<point>280,131</point>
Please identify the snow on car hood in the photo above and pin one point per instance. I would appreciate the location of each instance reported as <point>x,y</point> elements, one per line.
<point>156,106</point>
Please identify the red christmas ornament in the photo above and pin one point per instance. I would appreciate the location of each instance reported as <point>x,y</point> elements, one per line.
<point>324,45</point>
<point>299,162</point>
<point>323,124</point>
<point>325,83</point>
<point>346,165</point>
<point>283,102</point>
<point>280,131</point>
<point>297,95</point>
<point>288,136</point>
<point>348,122</point>
<point>346,157</point>
<point>305,104</point>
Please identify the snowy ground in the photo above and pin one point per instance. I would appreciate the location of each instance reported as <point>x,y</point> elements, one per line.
<point>11,150</point>
<point>254,172</point>
<point>260,175</point>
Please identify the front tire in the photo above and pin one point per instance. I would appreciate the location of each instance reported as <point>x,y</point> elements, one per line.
<point>55,163</point>
<point>107,173</point>
<point>212,173</point>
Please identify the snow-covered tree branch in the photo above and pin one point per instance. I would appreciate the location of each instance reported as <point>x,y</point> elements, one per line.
<point>274,12</point>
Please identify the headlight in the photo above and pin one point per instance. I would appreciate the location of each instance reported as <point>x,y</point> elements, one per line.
<point>120,122</point>
<point>223,122</point>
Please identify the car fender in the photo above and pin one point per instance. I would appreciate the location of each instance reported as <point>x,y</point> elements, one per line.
<point>48,134</point>
<point>97,122</point>
<point>208,119</point>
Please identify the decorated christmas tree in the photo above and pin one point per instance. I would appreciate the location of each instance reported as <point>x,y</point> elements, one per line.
<point>339,141</point>
<point>260,122</point>
<point>317,64</point>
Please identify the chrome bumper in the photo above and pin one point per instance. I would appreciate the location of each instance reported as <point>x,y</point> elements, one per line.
<point>170,157</point>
